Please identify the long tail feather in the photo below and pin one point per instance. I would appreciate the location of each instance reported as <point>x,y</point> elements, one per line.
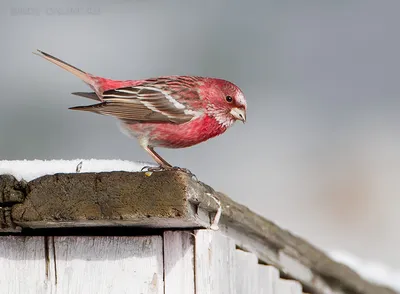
<point>91,108</point>
<point>90,95</point>
<point>72,69</point>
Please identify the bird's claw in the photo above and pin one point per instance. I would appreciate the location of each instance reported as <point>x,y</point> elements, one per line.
<point>169,168</point>
<point>148,168</point>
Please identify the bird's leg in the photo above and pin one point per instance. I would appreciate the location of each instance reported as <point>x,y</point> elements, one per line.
<point>164,165</point>
<point>157,158</point>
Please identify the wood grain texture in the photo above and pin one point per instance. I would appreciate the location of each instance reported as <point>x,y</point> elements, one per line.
<point>6,223</point>
<point>109,265</point>
<point>23,265</point>
<point>267,277</point>
<point>179,262</point>
<point>109,199</point>
<point>288,287</point>
<point>11,190</point>
<point>215,263</point>
<point>246,272</point>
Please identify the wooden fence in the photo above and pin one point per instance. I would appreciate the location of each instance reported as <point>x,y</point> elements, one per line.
<point>125,232</point>
<point>177,262</point>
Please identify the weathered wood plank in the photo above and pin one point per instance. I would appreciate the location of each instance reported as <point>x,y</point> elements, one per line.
<point>179,262</point>
<point>267,277</point>
<point>11,190</point>
<point>270,253</point>
<point>6,223</point>
<point>23,267</point>
<point>215,263</point>
<point>287,287</point>
<point>109,199</point>
<point>246,272</point>
<point>109,265</point>
<point>295,267</point>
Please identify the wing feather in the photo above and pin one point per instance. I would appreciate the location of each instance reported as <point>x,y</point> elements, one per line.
<point>131,112</point>
<point>173,100</point>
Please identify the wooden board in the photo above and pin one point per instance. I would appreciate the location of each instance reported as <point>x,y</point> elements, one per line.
<point>112,199</point>
<point>214,263</point>
<point>246,272</point>
<point>23,267</point>
<point>179,262</point>
<point>288,287</point>
<point>267,277</point>
<point>109,265</point>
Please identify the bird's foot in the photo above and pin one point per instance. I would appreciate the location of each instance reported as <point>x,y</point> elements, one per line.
<point>148,168</point>
<point>168,168</point>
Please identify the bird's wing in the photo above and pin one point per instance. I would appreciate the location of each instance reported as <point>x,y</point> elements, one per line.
<point>170,99</point>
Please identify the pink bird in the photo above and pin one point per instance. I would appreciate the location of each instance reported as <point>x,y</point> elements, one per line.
<point>168,111</point>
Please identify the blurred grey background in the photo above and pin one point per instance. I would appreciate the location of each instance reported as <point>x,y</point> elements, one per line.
<point>320,154</point>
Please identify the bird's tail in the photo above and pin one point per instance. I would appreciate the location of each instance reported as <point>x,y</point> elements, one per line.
<point>68,67</point>
<point>86,77</point>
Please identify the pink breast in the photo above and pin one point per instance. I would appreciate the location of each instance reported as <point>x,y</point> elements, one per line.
<point>178,135</point>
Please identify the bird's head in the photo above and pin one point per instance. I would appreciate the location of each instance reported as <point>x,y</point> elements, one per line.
<point>226,102</point>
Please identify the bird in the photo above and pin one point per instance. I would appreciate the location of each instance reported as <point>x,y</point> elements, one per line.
<point>166,111</point>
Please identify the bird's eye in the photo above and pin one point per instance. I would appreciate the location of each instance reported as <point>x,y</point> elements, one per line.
<point>229,99</point>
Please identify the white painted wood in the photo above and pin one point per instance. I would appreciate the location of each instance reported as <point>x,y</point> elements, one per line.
<point>295,267</point>
<point>269,255</point>
<point>246,272</point>
<point>215,263</point>
<point>179,262</point>
<point>267,277</point>
<point>109,265</point>
<point>23,265</point>
<point>288,287</point>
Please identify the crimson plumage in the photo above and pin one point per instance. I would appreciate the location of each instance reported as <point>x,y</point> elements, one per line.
<point>169,111</point>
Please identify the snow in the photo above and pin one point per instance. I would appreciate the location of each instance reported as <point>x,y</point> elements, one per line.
<point>32,169</point>
<point>375,272</point>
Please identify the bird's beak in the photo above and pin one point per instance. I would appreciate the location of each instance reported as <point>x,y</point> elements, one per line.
<point>239,114</point>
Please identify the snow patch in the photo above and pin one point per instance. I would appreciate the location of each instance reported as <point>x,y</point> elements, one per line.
<point>32,169</point>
